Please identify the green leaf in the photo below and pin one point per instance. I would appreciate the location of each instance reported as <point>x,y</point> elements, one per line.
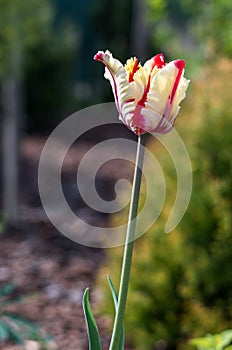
<point>93,335</point>
<point>4,332</point>
<point>115,299</point>
<point>7,289</point>
<point>1,227</point>
<point>113,291</point>
<point>17,300</point>
<point>15,336</point>
<point>21,323</point>
<point>20,328</point>
<point>226,337</point>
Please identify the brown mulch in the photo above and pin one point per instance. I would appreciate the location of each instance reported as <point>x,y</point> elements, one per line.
<point>47,267</point>
<point>53,272</point>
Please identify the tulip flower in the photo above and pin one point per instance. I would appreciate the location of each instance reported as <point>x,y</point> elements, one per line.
<point>147,97</point>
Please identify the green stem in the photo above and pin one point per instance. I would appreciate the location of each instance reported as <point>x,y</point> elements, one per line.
<point>129,243</point>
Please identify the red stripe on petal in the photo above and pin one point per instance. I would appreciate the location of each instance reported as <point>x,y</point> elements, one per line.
<point>130,100</point>
<point>159,61</point>
<point>100,57</point>
<point>134,70</point>
<point>146,90</point>
<point>180,64</point>
<point>137,121</point>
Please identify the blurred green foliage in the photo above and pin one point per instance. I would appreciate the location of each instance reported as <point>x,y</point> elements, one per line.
<point>22,24</point>
<point>181,283</point>
<point>14,327</point>
<point>194,30</point>
<point>214,27</point>
<point>217,341</point>
<point>41,55</point>
<point>48,79</point>
<point>56,40</point>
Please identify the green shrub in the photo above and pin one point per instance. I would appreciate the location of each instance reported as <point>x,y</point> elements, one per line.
<point>181,283</point>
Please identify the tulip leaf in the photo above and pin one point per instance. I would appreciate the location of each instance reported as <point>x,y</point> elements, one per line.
<point>115,299</point>
<point>4,332</point>
<point>93,334</point>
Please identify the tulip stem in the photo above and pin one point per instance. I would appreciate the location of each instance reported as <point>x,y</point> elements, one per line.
<point>129,243</point>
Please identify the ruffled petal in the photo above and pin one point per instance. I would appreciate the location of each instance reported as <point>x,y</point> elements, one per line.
<point>159,96</point>
<point>115,72</point>
<point>140,83</point>
<point>140,120</point>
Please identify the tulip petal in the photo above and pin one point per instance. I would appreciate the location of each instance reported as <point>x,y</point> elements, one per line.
<point>115,72</point>
<point>162,99</point>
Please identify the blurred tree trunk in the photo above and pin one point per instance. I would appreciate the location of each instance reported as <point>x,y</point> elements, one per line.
<point>139,29</point>
<point>23,24</point>
<point>11,112</point>
<point>10,146</point>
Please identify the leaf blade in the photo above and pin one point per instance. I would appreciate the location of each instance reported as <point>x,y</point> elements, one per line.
<point>4,332</point>
<point>93,334</point>
<point>115,299</point>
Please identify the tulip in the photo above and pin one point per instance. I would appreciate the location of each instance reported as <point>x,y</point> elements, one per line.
<point>147,97</point>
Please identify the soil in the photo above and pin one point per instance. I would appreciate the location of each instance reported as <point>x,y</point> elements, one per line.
<point>48,269</point>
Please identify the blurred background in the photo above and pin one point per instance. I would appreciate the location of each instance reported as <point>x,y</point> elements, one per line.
<point>47,72</point>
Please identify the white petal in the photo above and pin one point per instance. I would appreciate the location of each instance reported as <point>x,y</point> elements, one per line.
<point>152,119</point>
<point>140,83</point>
<point>180,95</point>
<point>161,88</point>
<point>115,72</point>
